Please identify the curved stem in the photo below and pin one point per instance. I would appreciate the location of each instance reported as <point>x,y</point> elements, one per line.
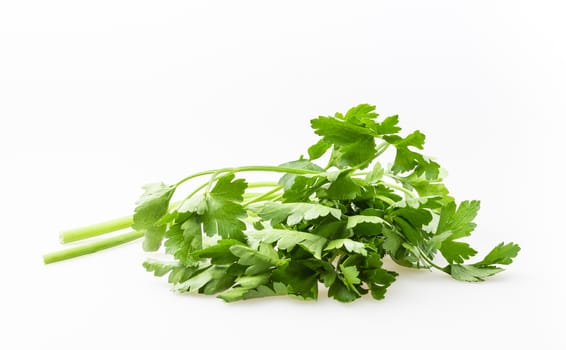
<point>385,199</point>
<point>267,168</point>
<point>263,196</point>
<point>202,173</point>
<point>429,261</point>
<point>211,181</point>
<point>91,247</point>
<point>197,190</point>
<point>402,189</point>
<point>381,148</point>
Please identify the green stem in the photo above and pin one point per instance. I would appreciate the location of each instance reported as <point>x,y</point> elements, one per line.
<point>94,247</point>
<point>91,247</point>
<point>86,232</point>
<point>98,229</point>
<point>271,197</point>
<point>381,148</point>
<point>211,181</point>
<point>266,195</point>
<point>202,173</point>
<point>268,168</point>
<point>420,252</point>
<point>429,261</point>
<point>402,189</point>
<point>385,199</point>
<point>262,184</point>
<point>125,222</point>
<point>197,190</point>
<point>275,197</point>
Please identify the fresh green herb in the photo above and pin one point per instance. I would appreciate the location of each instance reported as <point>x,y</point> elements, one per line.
<point>329,225</point>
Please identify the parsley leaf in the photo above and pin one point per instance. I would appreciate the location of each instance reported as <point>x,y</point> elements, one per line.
<point>318,149</point>
<point>152,205</point>
<point>294,213</point>
<point>288,239</point>
<point>348,244</point>
<point>407,159</point>
<point>376,277</point>
<point>159,268</point>
<point>302,188</point>
<point>470,273</point>
<point>352,137</point>
<point>457,251</point>
<point>502,254</point>
<point>342,186</point>
<point>221,208</point>
<point>388,126</point>
<point>454,224</point>
<point>200,279</point>
<point>182,239</point>
<point>257,260</point>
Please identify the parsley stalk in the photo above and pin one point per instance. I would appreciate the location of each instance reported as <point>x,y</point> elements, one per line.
<point>101,228</point>
<point>90,248</point>
<point>117,224</point>
<point>86,232</point>
<point>266,195</point>
<point>399,188</point>
<point>381,148</point>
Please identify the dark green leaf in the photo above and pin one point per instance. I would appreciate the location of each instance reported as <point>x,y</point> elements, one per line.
<point>340,291</point>
<point>299,279</point>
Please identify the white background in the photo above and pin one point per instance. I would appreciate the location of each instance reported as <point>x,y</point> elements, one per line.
<point>98,98</point>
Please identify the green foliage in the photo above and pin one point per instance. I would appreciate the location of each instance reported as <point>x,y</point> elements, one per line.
<point>332,224</point>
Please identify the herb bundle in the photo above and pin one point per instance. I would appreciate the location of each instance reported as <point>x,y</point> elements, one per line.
<point>332,225</point>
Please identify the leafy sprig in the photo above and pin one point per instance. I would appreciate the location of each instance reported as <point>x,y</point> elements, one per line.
<point>331,225</point>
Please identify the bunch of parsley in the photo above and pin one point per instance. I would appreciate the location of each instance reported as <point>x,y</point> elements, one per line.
<point>331,225</point>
